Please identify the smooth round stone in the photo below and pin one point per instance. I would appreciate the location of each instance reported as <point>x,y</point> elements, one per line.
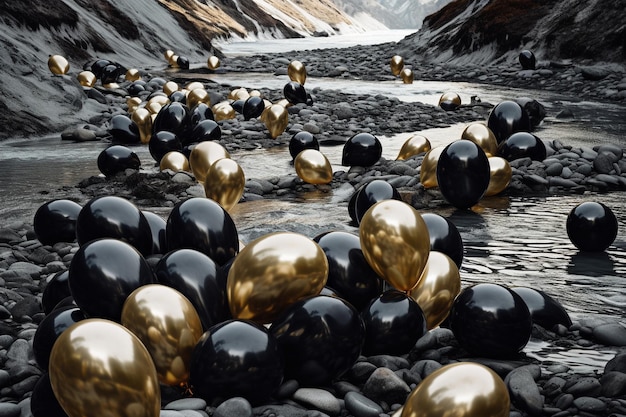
<point>170,413</point>
<point>587,386</point>
<point>618,363</point>
<point>193,413</point>
<point>613,384</point>
<point>554,169</point>
<point>524,391</point>
<point>287,389</point>
<point>5,378</point>
<point>237,406</point>
<point>319,399</point>
<point>590,404</point>
<point>603,163</point>
<point>385,385</point>
<point>361,406</point>
<point>20,351</point>
<point>610,334</point>
<point>186,404</point>
<point>9,410</point>
<point>615,150</point>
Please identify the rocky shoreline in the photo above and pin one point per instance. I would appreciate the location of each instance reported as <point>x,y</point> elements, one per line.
<point>375,385</point>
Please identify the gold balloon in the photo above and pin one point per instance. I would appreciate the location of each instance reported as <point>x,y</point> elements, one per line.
<point>225,182</point>
<point>500,173</point>
<point>174,160</point>
<point>141,117</point>
<point>196,96</point>
<point>99,366</point>
<point>414,145</point>
<point>168,54</point>
<point>133,103</point>
<point>255,93</point>
<point>407,76</point>
<point>132,75</point>
<point>437,288</point>
<point>283,102</point>
<point>193,85</point>
<point>428,170</point>
<point>397,63</point>
<point>276,120</point>
<point>313,167</point>
<point>58,65</point>
<point>482,136</point>
<point>170,87</point>
<point>273,272</point>
<point>395,241</point>
<point>240,94</point>
<point>111,86</point>
<point>169,327</point>
<point>86,78</point>
<point>173,61</point>
<point>213,62</point>
<point>450,97</point>
<point>203,155</point>
<point>223,111</point>
<point>159,99</point>
<point>462,389</point>
<point>153,107</point>
<point>297,72</point>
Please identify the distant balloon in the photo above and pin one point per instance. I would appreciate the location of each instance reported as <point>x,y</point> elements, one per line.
<point>362,149</point>
<point>592,226</point>
<point>183,62</point>
<point>204,130</point>
<point>58,65</point>
<point>449,101</point>
<point>313,167</point>
<point>481,135</point>
<point>197,96</point>
<point>407,76</point>
<point>253,107</point>
<point>397,64</point>
<point>117,158</point>
<point>500,173</point>
<point>213,63</point>
<point>297,72</point>
<point>527,59</point>
<point>414,145</point>
<point>86,78</point>
<point>294,92</point>
<point>173,117</point>
<point>372,193</point>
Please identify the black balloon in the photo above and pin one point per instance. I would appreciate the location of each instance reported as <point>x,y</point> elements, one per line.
<point>506,118</point>
<point>352,205</point>
<point>66,302</point>
<point>591,226</point>
<point>110,74</point>
<point>463,173</point>
<point>362,149</point>
<point>50,329</point>
<point>301,141</point>
<point>204,130</point>
<point>98,66</point>
<point>491,320</point>
<point>183,62</point>
<point>253,107</point>
<point>237,105</point>
<point>544,310</point>
<point>236,358</point>
<point>156,84</point>
<point>444,237</point>
<point>199,112</point>
<point>103,273</point>
<point>200,280</point>
<point>202,224</point>
<point>117,218</point>
<point>321,338</point>
<point>178,97</point>
<point>157,230</point>
<point>349,274</point>
<point>522,145</point>
<point>527,59</point>
<point>55,221</point>
<point>116,159</point>
<point>123,130</point>
<point>393,324</point>
<point>372,193</point>
<point>57,288</point>
<point>173,117</point>
<point>162,142</point>
<point>136,87</point>
<point>295,92</point>
<point>43,402</point>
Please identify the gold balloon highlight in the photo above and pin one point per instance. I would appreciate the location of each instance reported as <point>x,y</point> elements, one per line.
<point>169,327</point>
<point>86,78</point>
<point>273,272</point>
<point>297,72</point>
<point>225,182</point>
<point>97,365</point>
<point>276,120</point>
<point>173,61</point>
<point>213,62</point>
<point>203,155</point>
<point>482,136</point>
<point>438,287</point>
<point>414,145</point>
<point>407,76</point>
<point>58,65</point>
<point>170,87</point>
<point>428,170</point>
<point>174,160</point>
<point>223,111</point>
<point>313,167</point>
<point>461,389</point>
<point>500,173</point>
<point>395,241</point>
<point>397,64</point>
<point>196,96</point>
<point>133,104</point>
<point>142,118</point>
<point>193,85</point>
<point>159,99</point>
<point>168,54</point>
<point>132,75</point>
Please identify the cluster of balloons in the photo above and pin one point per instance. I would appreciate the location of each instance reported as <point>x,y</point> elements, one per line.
<point>176,61</point>
<point>398,69</point>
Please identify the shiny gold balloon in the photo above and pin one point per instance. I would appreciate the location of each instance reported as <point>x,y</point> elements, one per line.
<point>153,107</point>
<point>86,78</point>
<point>276,120</point>
<point>58,65</point>
<point>450,97</point>
<point>500,173</point>
<point>159,99</point>
<point>97,366</point>
<point>273,272</point>
<point>196,96</point>
<point>437,288</point>
<point>297,72</point>
<point>428,170</point>
<point>168,54</point>
<point>223,111</point>
<point>313,167</point>
<point>203,155</point>
<point>173,61</point>
<point>213,62</point>
<point>132,74</point>
<point>241,94</point>
<point>482,136</point>
<point>170,87</point>
<point>169,327</point>
<point>407,76</point>
<point>111,86</point>
<point>133,103</point>
<point>225,182</point>
<point>141,117</point>
<point>193,85</point>
<point>283,102</point>
<point>414,145</point>
<point>462,389</point>
<point>255,93</point>
<point>395,241</point>
<point>174,160</point>
<point>397,64</point>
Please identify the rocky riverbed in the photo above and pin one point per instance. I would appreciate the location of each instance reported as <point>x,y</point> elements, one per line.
<point>376,385</point>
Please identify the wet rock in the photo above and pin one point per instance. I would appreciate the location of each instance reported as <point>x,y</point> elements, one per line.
<point>187,404</point>
<point>319,399</point>
<point>587,386</point>
<point>361,406</point>
<point>590,405</point>
<point>385,385</point>
<point>524,391</point>
<point>9,410</point>
<point>613,383</point>
<point>237,406</point>
<point>594,73</point>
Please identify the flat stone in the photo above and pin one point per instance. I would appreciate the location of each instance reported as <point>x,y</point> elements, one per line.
<point>618,363</point>
<point>613,384</point>
<point>319,399</point>
<point>236,406</point>
<point>361,406</point>
<point>586,386</point>
<point>9,236</point>
<point>186,404</point>
<point>170,413</point>
<point>590,404</point>
<point>524,391</point>
<point>9,410</point>
<point>610,334</point>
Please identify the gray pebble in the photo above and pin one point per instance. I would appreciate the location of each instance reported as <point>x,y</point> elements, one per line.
<point>361,406</point>
<point>590,404</point>
<point>613,384</point>
<point>319,399</point>
<point>610,334</point>
<point>586,386</point>
<point>237,406</point>
<point>524,391</point>
<point>385,385</point>
<point>187,404</point>
<point>9,410</point>
<point>170,413</point>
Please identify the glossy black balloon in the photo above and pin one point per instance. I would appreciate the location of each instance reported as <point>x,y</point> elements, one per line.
<point>491,320</point>
<point>98,66</point>
<point>349,274</point>
<point>157,230</point>
<point>56,289</point>
<point>202,224</point>
<point>103,273</point>
<point>591,226</point>
<point>321,338</point>
<point>114,217</point>
<point>544,310</point>
<point>116,159</point>
<point>136,87</point>
<point>253,107</point>
<point>50,329</point>
<point>66,302</point>
<point>199,112</point>
<point>236,358</point>
<point>522,145</point>
<point>393,324</point>
<point>156,84</point>
<point>372,193</point>
<point>301,141</point>
<point>463,173</point>
<point>527,59</point>
<point>362,149</point>
<point>506,118</point>
<point>183,62</point>
<point>55,221</point>
<point>352,205</point>
<point>123,130</point>
<point>173,117</point>
<point>43,402</point>
<point>444,237</point>
<point>204,130</point>
<point>237,105</point>
<point>200,280</point>
<point>295,92</point>
<point>110,74</point>
<point>178,97</point>
<point>162,142</point>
